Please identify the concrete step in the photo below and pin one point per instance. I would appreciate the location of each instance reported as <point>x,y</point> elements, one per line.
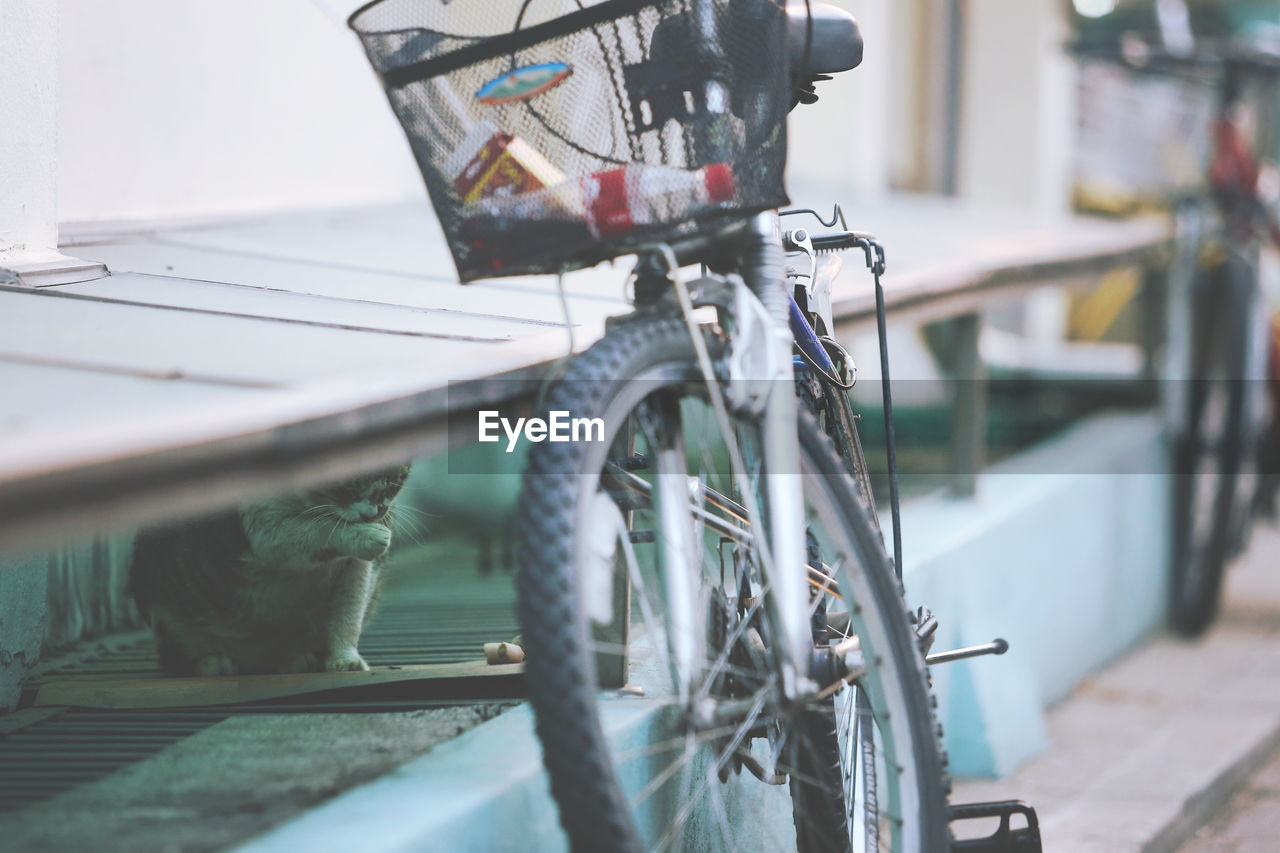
<point>1249,821</point>
<point>1149,749</point>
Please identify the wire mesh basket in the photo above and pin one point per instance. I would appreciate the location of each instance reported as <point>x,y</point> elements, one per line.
<point>555,134</point>
<point>1141,138</point>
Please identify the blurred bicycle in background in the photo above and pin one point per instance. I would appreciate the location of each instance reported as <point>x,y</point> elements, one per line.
<point>1218,327</point>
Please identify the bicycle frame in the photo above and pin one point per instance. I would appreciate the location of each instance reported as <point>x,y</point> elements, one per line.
<point>786,509</point>
<point>762,358</point>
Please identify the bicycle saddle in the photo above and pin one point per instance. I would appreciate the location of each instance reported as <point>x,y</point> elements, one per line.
<point>835,44</point>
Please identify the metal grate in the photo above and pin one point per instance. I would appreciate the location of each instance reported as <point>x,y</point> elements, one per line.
<point>78,746</point>
<point>429,614</point>
<point>401,633</point>
<point>435,608</point>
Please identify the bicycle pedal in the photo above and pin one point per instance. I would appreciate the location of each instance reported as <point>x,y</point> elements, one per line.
<point>1005,839</point>
<point>995,647</point>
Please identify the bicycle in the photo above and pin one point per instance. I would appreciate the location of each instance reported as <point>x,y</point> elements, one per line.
<point>1215,363</point>
<point>1217,451</point>
<point>726,501</point>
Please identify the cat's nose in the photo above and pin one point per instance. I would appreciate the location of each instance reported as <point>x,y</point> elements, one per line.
<point>368,513</point>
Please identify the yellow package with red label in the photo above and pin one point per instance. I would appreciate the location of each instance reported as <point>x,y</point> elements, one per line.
<point>490,163</point>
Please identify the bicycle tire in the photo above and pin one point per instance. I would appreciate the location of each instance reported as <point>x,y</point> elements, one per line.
<point>560,667</point>
<point>821,721</point>
<point>1208,457</point>
<point>836,418</point>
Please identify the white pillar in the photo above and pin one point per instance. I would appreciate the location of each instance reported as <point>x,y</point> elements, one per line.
<point>1017,123</point>
<point>28,116</point>
<point>840,146</point>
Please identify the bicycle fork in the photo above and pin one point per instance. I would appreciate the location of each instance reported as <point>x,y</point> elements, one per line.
<point>787,574</point>
<point>761,383</point>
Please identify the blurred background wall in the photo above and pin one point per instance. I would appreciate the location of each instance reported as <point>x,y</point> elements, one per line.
<point>216,107</point>
<point>28,111</point>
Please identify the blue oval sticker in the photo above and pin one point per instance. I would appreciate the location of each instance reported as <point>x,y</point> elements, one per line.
<point>521,84</point>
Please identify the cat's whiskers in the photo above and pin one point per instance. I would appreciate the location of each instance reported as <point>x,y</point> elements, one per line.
<point>319,510</point>
<point>402,522</point>
<point>416,510</point>
<point>407,517</point>
<point>337,524</point>
<point>404,509</point>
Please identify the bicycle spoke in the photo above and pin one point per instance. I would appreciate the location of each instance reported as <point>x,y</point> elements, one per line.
<point>686,809</point>
<point>689,742</point>
<point>703,735</point>
<point>721,816</point>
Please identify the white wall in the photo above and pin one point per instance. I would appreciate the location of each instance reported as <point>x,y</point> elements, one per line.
<point>1017,111</point>
<point>841,143</point>
<point>28,100</point>
<point>1017,125</point>
<point>226,106</point>
<point>208,107</point>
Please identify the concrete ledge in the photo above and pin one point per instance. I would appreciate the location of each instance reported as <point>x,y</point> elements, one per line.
<point>1146,751</point>
<point>1063,552</point>
<point>49,269</point>
<point>487,791</point>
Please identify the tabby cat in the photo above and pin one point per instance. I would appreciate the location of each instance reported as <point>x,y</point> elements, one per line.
<point>285,585</point>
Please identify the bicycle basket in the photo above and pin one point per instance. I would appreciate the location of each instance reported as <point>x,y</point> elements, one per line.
<point>554,134</point>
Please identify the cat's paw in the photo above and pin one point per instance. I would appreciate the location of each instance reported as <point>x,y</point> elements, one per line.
<point>367,541</point>
<point>305,662</point>
<point>215,665</point>
<point>345,660</point>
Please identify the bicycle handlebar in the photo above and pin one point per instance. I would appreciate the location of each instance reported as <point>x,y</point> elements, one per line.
<point>837,241</point>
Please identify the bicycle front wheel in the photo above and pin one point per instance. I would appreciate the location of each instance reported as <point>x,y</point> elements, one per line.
<point>640,569</point>
<point>1209,457</point>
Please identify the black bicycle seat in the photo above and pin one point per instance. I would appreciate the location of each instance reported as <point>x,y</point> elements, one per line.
<point>834,42</point>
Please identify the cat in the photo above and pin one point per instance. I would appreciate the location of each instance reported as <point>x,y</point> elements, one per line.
<point>282,585</point>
